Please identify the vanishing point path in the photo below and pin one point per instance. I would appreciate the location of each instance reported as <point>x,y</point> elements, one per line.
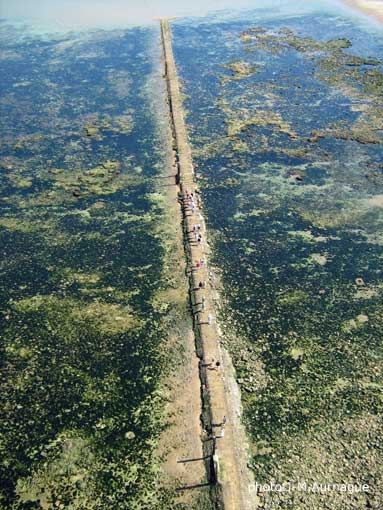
<point>228,449</point>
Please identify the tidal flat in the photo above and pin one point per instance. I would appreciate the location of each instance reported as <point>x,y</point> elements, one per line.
<point>88,295</point>
<point>285,120</point>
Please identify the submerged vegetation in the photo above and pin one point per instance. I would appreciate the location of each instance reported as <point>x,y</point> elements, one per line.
<point>82,263</point>
<point>289,140</point>
<point>287,135</point>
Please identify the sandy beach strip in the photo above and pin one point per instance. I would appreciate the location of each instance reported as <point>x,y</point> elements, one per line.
<point>373,8</point>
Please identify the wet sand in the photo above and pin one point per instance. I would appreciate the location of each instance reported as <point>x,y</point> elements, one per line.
<point>373,8</point>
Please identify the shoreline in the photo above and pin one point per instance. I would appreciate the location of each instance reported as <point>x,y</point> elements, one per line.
<point>371,8</point>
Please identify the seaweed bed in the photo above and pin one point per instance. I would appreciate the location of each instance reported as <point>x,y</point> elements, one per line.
<point>286,128</point>
<point>83,263</point>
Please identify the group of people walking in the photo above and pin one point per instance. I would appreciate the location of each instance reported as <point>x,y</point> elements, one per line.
<point>191,205</point>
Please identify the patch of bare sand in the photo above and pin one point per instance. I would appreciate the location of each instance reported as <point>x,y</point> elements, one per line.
<point>182,439</point>
<point>376,201</point>
<point>373,8</point>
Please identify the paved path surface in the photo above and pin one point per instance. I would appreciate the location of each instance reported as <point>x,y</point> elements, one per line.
<point>231,453</point>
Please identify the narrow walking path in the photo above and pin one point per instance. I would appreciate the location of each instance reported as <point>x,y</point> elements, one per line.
<point>228,442</point>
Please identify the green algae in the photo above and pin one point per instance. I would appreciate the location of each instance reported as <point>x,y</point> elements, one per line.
<point>109,318</point>
<point>330,453</point>
<point>298,244</point>
<point>293,298</point>
<point>362,133</point>
<point>103,179</point>
<point>61,481</point>
<point>123,124</point>
<point>296,353</point>
<point>356,76</point>
<point>318,258</point>
<point>308,236</point>
<point>81,265</point>
<point>239,70</point>
<point>239,122</point>
<point>230,182</point>
<point>91,130</point>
